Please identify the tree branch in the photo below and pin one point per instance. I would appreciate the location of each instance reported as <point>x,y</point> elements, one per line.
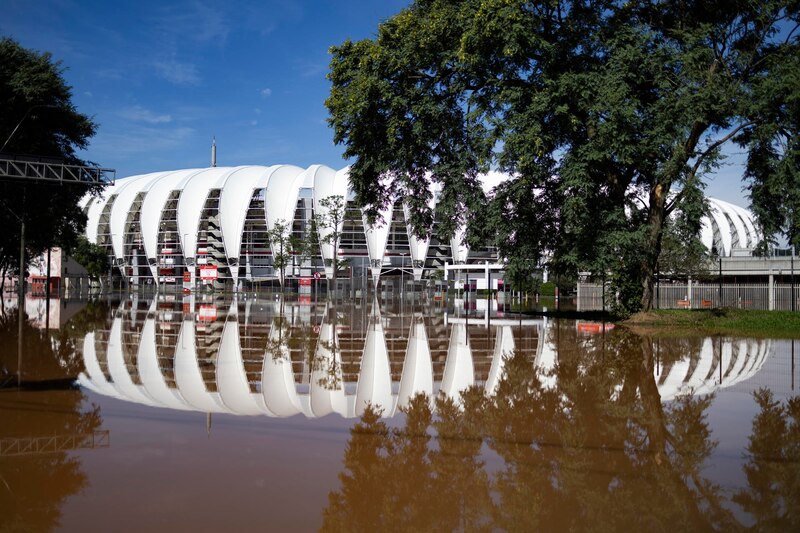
<point>719,143</point>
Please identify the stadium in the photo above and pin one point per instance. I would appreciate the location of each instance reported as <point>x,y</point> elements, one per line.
<point>211,225</point>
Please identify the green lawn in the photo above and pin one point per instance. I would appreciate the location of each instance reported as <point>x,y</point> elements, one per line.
<point>783,324</point>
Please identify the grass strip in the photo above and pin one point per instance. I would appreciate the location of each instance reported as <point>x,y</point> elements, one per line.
<point>775,324</point>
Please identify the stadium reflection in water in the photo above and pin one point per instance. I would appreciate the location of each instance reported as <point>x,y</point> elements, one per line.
<point>523,423</point>
<point>251,358</point>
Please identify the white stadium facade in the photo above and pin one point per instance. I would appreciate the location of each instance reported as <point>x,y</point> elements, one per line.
<point>213,223</point>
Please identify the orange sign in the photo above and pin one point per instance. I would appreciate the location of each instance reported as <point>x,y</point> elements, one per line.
<point>593,327</point>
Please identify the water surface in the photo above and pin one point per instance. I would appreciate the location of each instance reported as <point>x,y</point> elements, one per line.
<point>255,413</point>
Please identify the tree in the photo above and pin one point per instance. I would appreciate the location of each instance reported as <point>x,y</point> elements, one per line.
<point>329,221</point>
<point>39,119</point>
<point>307,247</point>
<point>607,114</point>
<point>280,240</point>
<point>92,257</point>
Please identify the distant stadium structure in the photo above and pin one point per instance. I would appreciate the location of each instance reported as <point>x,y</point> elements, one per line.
<point>213,223</point>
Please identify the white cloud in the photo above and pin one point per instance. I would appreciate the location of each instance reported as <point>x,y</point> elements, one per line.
<point>137,140</point>
<point>199,21</point>
<point>176,72</point>
<point>265,92</point>
<point>140,114</point>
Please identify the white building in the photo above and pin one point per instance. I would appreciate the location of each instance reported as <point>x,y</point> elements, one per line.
<point>213,223</point>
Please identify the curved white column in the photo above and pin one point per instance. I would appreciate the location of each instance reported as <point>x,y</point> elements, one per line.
<point>674,384</point>
<point>277,378</point>
<point>326,389</point>
<point>121,209</point>
<point>94,373</point>
<point>459,370</point>
<point>374,377</point>
<point>150,371</point>
<point>503,348</point>
<point>188,376</point>
<point>232,383</point>
<point>417,373</point>
<point>119,373</point>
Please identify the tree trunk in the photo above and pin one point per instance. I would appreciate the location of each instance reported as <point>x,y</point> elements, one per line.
<point>655,223</point>
<point>335,263</point>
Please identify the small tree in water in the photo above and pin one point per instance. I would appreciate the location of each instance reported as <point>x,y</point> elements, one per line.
<point>329,223</point>
<point>281,246</point>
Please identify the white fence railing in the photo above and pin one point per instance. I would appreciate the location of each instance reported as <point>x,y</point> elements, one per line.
<point>777,296</point>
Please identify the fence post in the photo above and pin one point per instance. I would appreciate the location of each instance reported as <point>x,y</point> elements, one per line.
<point>771,292</point>
<point>689,292</point>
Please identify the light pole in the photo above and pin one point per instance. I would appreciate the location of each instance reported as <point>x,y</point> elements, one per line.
<point>791,278</point>
<point>721,299</point>
<point>402,275</point>
<point>111,263</point>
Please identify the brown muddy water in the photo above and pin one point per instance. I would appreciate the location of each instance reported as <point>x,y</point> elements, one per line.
<point>256,414</point>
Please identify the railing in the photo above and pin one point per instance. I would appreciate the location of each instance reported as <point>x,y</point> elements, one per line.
<point>763,296</point>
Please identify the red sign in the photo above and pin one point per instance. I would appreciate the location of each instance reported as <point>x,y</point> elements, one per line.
<point>208,272</point>
<point>316,275</point>
<point>305,281</point>
<point>207,313</point>
<point>592,328</point>
<point>187,276</point>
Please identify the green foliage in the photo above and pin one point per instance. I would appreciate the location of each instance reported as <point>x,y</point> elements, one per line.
<point>773,465</point>
<point>608,115</point>
<point>281,244</point>
<point>547,289</point>
<point>328,220</point>
<point>36,100</point>
<point>588,445</point>
<point>92,257</point>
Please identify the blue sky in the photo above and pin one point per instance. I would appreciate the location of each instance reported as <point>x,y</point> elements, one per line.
<point>162,78</point>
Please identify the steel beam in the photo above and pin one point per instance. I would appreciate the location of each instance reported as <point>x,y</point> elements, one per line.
<point>58,172</point>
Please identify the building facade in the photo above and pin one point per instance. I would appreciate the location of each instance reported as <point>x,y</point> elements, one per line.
<point>212,225</point>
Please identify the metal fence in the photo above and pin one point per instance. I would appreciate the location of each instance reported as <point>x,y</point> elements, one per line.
<point>694,295</point>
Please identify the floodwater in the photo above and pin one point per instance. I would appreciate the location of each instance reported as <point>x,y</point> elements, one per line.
<point>258,414</point>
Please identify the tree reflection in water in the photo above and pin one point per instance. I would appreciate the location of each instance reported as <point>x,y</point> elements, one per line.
<point>34,485</point>
<point>773,465</point>
<point>599,450</point>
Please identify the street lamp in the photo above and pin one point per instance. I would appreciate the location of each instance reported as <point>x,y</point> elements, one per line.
<point>402,275</point>
<point>721,294</point>
<point>718,252</point>
<point>791,278</point>
<point>111,262</point>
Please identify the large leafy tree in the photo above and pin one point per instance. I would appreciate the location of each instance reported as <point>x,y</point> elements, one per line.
<point>608,115</point>
<point>38,119</point>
